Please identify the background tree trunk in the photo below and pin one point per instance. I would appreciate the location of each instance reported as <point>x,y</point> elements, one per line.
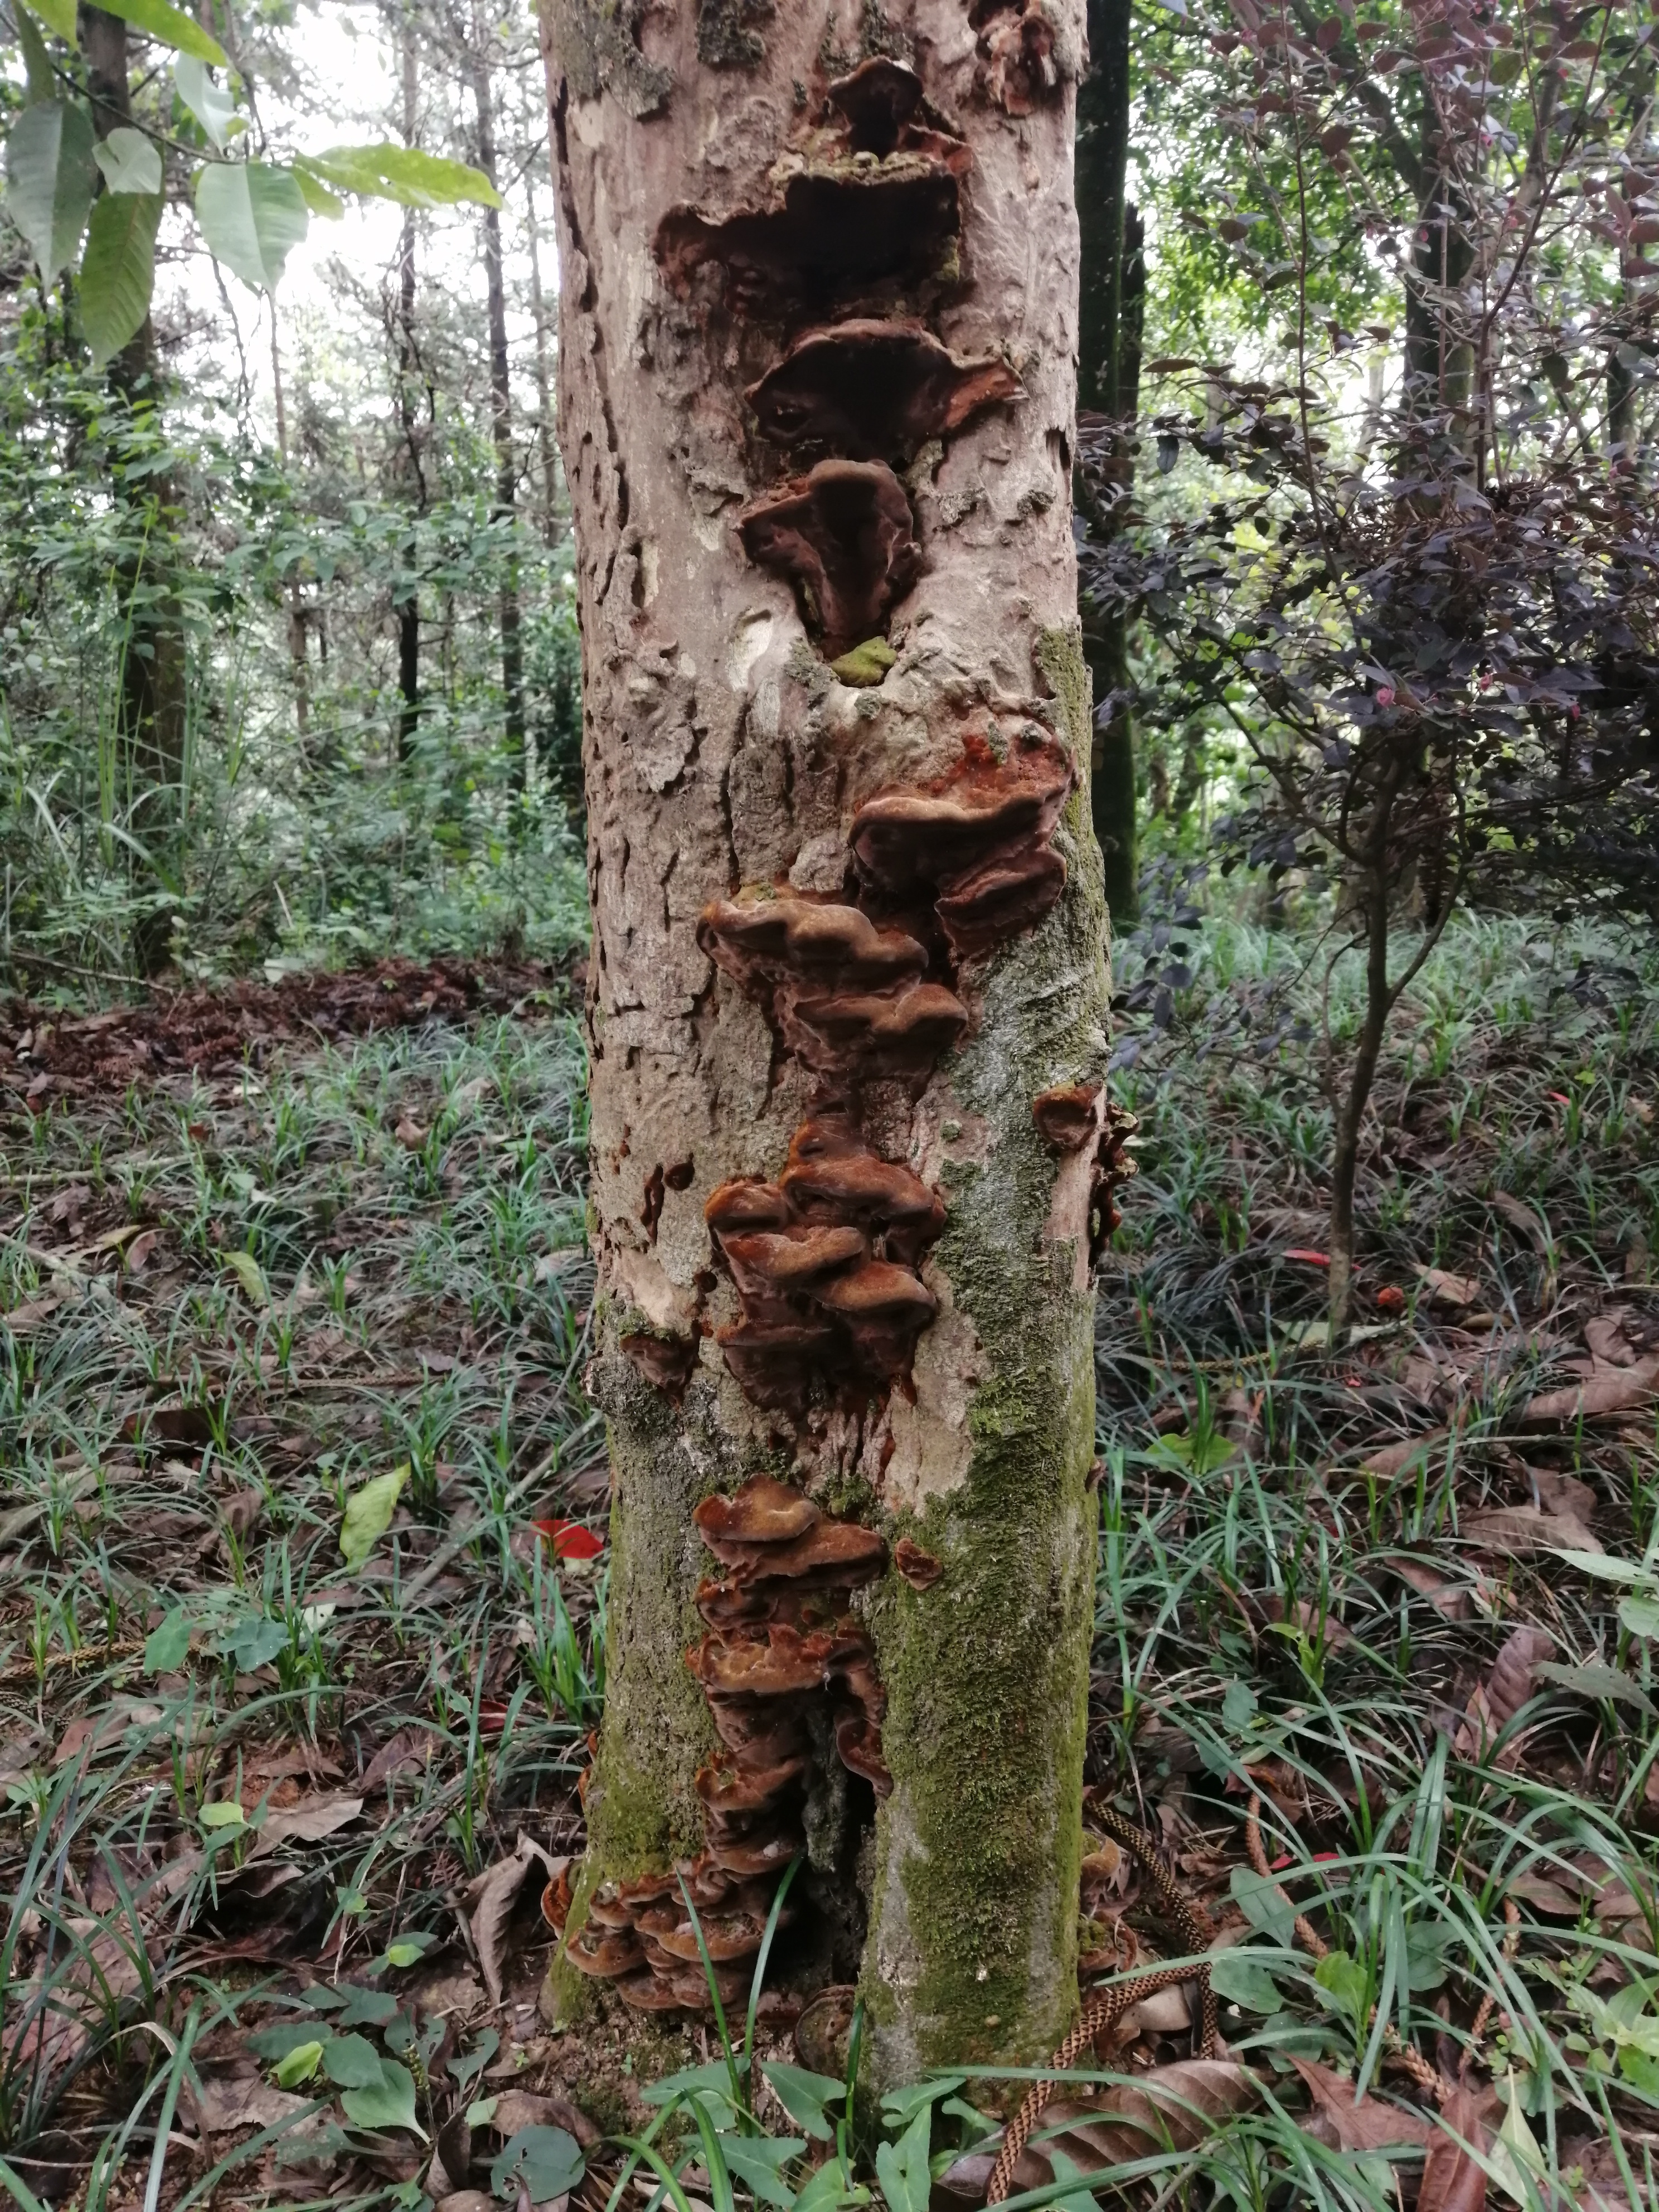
<point>501,396</point>
<point>1112,298</point>
<point>848,985</point>
<point>151,717</point>
<point>406,600</point>
<point>545,428</point>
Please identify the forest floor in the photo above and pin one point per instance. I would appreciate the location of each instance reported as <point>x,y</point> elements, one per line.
<point>301,1604</point>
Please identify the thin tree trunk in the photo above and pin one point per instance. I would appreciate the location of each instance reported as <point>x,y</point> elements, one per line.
<point>501,400</point>
<point>544,427</point>
<point>151,715</point>
<point>846,1008</point>
<point>296,606</point>
<point>1113,288</point>
<point>406,598</point>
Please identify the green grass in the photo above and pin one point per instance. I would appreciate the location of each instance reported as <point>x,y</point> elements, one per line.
<point>372,1260</point>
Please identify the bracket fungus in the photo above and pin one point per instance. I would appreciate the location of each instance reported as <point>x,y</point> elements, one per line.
<point>842,990</point>
<point>844,233</point>
<point>1075,1118</point>
<point>874,390</point>
<point>1019,66</point>
<point>977,844</point>
<point>665,1360</point>
<point>830,1293</point>
<point>844,535</point>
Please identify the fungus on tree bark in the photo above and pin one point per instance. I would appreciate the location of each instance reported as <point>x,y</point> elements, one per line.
<point>874,390</point>
<point>844,537</point>
<point>842,936</point>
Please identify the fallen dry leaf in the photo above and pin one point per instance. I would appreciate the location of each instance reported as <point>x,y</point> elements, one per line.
<point>1369,2125</point>
<point>1495,1702</point>
<point>1443,1289</point>
<point>406,1752</point>
<point>225,2102</point>
<point>1451,1600</point>
<point>1394,1459</point>
<point>495,1895</point>
<point>409,1134</point>
<point>1614,1390</point>
<point>1522,1531</point>
<point>307,1822</point>
<point>1453,2180</point>
<point>522,2108</point>
<point>1607,1342</point>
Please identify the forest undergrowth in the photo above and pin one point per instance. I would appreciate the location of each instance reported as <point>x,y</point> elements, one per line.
<point>302,1582</point>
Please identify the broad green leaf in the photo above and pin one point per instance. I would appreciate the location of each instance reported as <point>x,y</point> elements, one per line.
<point>902,2169</point>
<point>255,1644</point>
<point>351,2062</point>
<point>403,173</point>
<point>758,2163</point>
<point>1264,1905</point>
<point>368,1515</point>
<point>1343,1980</point>
<point>213,105</point>
<point>167,1645</point>
<point>548,2161</point>
<point>1640,1614</point>
<point>59,15</point>
<point>1240,1977</point>
<point>243,1265</point>
<point>168,25</point>
<point>275,2043</point>
<point>299,2064</point>
<point>407,1950</point>
<point>1605,1569</point>
<point>388,2103</point>
<point>714,2075</point>
<point>37,62</point>
<point>50,177</point>
<point>367,2007</point>
<point>225,1813</point>
<point>318,196</point>
<point>130,161</point>
<point>804,2096</point>
<point>117,270</point>
<point>832,2188</point>
<point>1596,1680</point>
<point>253,216</point>
<point>482,2111</point>
<point>464,2065</point>
<point>900,2106</point>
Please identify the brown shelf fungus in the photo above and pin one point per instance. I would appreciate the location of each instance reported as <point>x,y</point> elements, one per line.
<point>844,536</point>
<point>874,390</point>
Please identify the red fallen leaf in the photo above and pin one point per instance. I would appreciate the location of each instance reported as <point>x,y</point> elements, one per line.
<point>1313,1259</point>
<point>570,1539</point>
<point>1558,1098</point>
<point>1391,1298</point>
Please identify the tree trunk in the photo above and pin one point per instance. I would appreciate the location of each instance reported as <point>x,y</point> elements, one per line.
<point>847,1001</point>
<point>501,401</point>
<point>296,606</point>
<point>406,592</point>
<point>544,374</point>
<point>151,711</point>
<point>1112,295</point>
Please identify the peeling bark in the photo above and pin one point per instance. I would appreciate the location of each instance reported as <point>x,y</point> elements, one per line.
<point>817,336</point>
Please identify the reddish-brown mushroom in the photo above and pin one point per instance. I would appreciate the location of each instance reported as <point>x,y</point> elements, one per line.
<point>996,900</point>
<point>667,1361</point>
<point>603,1952</point>
<point>776,1363</point>
<point>919,1568</point>
<point>779,934</point>
<point>837,1554</point>
<point>874,390</point>
<point>910,842</point>
<point>790,1263</point>
<point>840,232</point>
<point>858,1747</point>
<point>843,534</point>
<point>744,1204</point>
<point>1069,1115</point>
<point>765,1512</point>
<point>898,1032</point>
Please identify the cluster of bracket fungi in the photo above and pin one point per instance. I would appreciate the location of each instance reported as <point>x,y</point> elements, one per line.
<point>854,241</point>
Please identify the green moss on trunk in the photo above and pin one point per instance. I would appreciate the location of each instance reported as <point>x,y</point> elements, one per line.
<point>973,1949</point>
